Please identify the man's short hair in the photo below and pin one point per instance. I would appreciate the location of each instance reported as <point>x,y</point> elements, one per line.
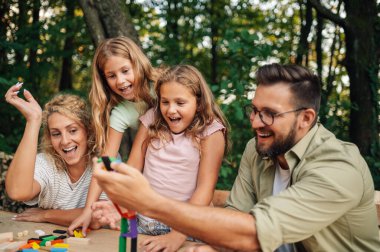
<point>303,83</point>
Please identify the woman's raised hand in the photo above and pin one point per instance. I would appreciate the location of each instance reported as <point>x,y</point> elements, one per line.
<point>28,107</point>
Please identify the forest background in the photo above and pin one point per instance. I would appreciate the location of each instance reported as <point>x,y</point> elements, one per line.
<point>49,45</point>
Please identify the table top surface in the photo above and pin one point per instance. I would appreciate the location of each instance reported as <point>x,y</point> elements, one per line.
<point>101,240</point>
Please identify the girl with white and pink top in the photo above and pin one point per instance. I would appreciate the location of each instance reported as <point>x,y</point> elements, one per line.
<point>179,147</point>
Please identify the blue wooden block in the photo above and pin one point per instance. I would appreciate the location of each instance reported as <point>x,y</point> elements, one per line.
<point>58,250</point>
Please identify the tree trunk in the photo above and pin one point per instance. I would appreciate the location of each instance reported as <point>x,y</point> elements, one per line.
<point>66,81</point>
<point>106,19</point>
<point>362,68</point>
<point>93,22</point>
<point>318,46</point>
<point>306,22</point>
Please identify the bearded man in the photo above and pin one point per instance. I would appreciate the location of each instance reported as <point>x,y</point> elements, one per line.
<point>299,188</point>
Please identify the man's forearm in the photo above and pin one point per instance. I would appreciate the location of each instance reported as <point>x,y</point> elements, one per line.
<point>216,226</point>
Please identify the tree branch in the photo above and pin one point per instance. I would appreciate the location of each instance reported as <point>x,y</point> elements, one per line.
<point>326,13</point>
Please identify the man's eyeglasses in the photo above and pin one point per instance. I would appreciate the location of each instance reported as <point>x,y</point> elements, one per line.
<point>266,116</point>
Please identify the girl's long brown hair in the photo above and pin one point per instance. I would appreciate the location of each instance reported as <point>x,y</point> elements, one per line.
<point>102,98</point>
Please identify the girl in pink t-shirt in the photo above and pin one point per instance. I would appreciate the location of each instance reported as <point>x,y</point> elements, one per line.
<point>179,147</point>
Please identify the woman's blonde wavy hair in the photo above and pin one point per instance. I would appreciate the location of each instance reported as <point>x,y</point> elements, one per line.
<point>102,98</point>
<point>207,109</point>
<point>75,108</point>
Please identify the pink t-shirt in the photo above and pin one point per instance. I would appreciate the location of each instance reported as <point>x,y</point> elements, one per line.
<point>172,169</point>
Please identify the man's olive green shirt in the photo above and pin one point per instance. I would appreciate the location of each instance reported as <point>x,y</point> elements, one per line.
<point>329,205</point>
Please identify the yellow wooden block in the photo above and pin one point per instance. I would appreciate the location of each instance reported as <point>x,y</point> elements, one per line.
<point>61,245</point>
<point>78,234</point>
<point>35,245</point>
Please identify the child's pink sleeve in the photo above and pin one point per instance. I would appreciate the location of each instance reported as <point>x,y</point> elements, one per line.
<point>213,127</point>
<point>147,118</point>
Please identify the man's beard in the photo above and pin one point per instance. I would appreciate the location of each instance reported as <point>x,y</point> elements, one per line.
<point>279,147</point>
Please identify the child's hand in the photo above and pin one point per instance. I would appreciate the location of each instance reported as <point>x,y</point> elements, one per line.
<point>105,213</point>
<point>83,221</point>
<point>168,242</point>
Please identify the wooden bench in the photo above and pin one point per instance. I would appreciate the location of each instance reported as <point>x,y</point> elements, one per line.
<point>377,202</point>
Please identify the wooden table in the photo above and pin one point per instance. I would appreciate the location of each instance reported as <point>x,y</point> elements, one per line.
<point>101,240</point>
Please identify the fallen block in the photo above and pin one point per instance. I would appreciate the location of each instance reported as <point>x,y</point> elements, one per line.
<point>50,243</point>
<point>75,240</point>
<point>35,245</point>
<point>5,237</point>
<point>78,234</point>
<point>59,231</point>
<point>61,237</point>
<point>61,245</point>
<point>34,240</point>
<point>39,232</point>
<point>58,250</point>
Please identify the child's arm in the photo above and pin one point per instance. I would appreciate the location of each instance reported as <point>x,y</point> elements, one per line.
<point>20,183</point>
<point>212,152</point>
<point>94,190</point>
<point>101,210</point>
<point>138,151</point>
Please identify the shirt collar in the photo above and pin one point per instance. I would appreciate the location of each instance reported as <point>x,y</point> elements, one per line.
<point>295,154</point>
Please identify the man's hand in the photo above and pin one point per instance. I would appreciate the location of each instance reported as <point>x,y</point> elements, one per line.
<point>126,187</point>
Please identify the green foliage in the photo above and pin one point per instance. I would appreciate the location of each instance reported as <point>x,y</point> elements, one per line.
<point>238,64</point>
<point>11,132</point>
<point>41,72</point>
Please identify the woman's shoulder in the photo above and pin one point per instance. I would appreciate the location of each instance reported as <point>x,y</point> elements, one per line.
<point>45,161</point>
<point>43,157</point>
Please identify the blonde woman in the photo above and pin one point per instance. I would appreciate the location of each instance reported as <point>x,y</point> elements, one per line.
<point>57,179</point>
